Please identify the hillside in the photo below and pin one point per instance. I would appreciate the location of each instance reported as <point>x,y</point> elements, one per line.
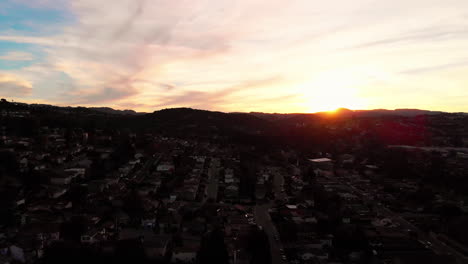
<point>401,126</point>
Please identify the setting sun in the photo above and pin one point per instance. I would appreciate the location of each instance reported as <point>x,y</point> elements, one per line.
<point>332,90</point>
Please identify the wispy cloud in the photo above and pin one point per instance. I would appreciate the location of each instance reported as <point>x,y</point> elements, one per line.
<point>17,56</point>
<point>128,23</point>
<point>45,4</point>
<point>13,86</point>
<point>205,99</point>
<point>436,68</point>
<point>417,36</point>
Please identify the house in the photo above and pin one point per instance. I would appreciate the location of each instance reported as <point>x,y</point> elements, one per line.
<point>124,171</point>
<point>89,237</point>
<point>148,222</point>
<point>195,227</point>
<point>135,233</point>
<point>40,167</point>
<point>165,167</point>
<point>121,218</point>
<point>61,179</point>
<point>322,163</point>
<point>228,180</point>
<point>310,203</point>
<point>111,181</point>
<point>44,232</point>
<point>231,191</point>
<point>190,193</point>
<point>307,256</point>
<point>156,246</point>
<point>23,163</point>
<point>172,198</point>
<point>97,186</point>
<point>184,254</point>
<point>17,254</point>
<point>56,192</point>
<point>146,189</point>
<point>76,172</point>
<point>187,253</point>
<point>20,201</point>
<point>59,159</point>
<point>168,222</point>
<point>260,191</point>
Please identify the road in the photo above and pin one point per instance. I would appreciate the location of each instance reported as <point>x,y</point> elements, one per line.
<point>143,172</point>
<point>213,173</point>
<point>278,182</point>
<point>70,164</point>
<point>436,245</point>
<point>262,217</point>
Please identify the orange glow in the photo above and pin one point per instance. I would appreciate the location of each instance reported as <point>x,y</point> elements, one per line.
<point>332,112</point>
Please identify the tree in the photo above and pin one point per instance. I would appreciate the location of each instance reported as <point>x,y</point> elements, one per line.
<point>77,194</point>
<point>213,249</point>
<point>133,206</point>
<point>7,209</point>
<point>258,246</point>
<point>396,164</point>
<point>73,230</point>
<point>8,163</point>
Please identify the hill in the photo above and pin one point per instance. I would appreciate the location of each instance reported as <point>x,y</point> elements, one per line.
<point>390,127</point>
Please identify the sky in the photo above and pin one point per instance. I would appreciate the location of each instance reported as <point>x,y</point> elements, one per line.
<point>244,55</point>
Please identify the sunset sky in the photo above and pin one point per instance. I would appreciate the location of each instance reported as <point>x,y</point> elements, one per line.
<point>236,55</point>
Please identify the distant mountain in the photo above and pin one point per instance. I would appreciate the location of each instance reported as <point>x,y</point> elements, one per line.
<point>266,116</point>
<point>397,112</point>
<point>394,127</point>
<point>188,117</point>
<point>272,116</point>
<point>344,112</point>
<point>4,104</point>
<point>109,110</point>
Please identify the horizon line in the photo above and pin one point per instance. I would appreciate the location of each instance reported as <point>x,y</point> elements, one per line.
<point>239,112</point>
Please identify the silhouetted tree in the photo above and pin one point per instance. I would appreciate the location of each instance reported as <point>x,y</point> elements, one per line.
<point>213,249</point>
<point>258,246</point>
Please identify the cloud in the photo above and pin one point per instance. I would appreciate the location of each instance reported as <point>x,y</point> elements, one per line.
<point>104,95</point>
<point>119,47</point>
<point>436,33</point>
<point>43,41</point>
<point>128,24</point>
<point>167,86</point>
<point>207,99</point>
<point>43,4</point>
<point>435,68</point>
<point>193,98</point>
<point>117,90</point>
<point>17,56</point>
<point>13,86</point>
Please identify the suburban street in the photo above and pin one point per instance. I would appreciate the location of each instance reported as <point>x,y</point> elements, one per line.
<point>262,217</point>
<point>278,182</point>
<point>435,244</point>
<point>143,172</point>
<point>213,175</point>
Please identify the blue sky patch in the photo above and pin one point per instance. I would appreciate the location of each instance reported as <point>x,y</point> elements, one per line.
<point>8,47</point>
<point>21,18</point>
